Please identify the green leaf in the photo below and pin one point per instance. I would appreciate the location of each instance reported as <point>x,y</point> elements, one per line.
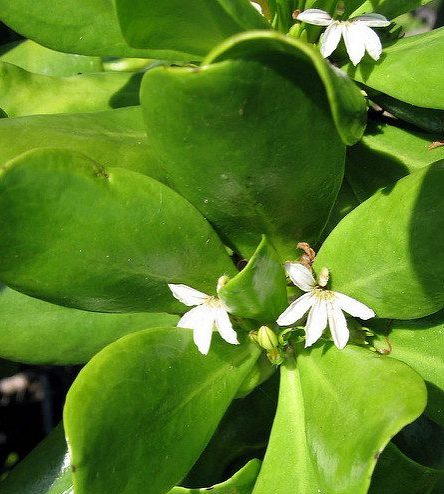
<point>40,60</point>
<point>424,118</point>
<point>387,253</point>
<point>102,239</point>
<point>385,154</point>
<point>345,202</point>
<point>333,420</point>
<point>242,434</point>
<point>259,291</point>
<point>347,104</point>
<point>192,27</point>
<point>411,59</point>
<point>46,470</point>
<point>112,137</point>
<point>249,149</point>
<point>161,400</point>
<point>38,332</point>
<point>85,27</point>
<point>395,473</point>
<point>389,8</point>
<point>242,482</point>
<point>420,344</point>
<point>75,94</point>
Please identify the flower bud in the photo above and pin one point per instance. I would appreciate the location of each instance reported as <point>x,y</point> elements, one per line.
<point>267,338</point>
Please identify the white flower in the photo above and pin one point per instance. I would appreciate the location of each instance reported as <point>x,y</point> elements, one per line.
<point>358,36</point>
<point>209,314</point>
<point>324,305</point>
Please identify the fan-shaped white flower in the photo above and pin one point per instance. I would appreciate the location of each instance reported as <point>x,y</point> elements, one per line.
<point>324,306</point>
<point>357,33</point>
<point>208,315</point>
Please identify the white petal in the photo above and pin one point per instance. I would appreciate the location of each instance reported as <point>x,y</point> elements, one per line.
<point>257,7</point>
<point>354,41</point>
<point>372,43</point>
<point>225,327</point>
<point>201,320</point>
<point>372,20</point>
<point>300,275</point>
<point>316,322</point>
<point>338,325</point>
<point>315,16</point>
<point>187,295</point>
<point>353,307</point>
<point>330,39</point>
<point>296,310</point>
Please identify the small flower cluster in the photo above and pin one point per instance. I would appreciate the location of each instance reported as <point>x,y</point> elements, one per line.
<point>324,307</point>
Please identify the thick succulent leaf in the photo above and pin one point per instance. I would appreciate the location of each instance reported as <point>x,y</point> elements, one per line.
<point>388,8</point>
<point>113,138</point>
<point>385,154</point>
<point>333,421</point>
<point>101,239</point>
<point>387,253</point>
<point>426,119</point>
<point>396,473</point>
<point>345,202</point>
<point>420,344</point>
<point>242,433</point>
<point>242,482</point>
<point>192,27</point>
<point>161,401</point>
<point>46,470</point>
<point>86,27</point>
<point>259,291</point>
<point>36,58</point>
<point>248,148</point>
<point>423,442</point>
<point>37,332</point>
<point>347,104</point>
<point>412,59</point>
<point>75,94</point>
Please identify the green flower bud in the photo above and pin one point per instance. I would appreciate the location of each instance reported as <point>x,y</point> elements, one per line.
<point>266,338</point>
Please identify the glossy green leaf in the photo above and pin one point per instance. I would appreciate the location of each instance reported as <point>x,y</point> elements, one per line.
<point>75,94</point>
<point>242,482</point>
<point>36,58</point>
<point>333,420</point>
<point>411,59</point>
<point>395,473</point>
<point>161,400</point>
<point>347,104</point>
<point>192,27</point>
<point>259,291</point>
<point>248,149</point>
<point>420,344</point>
<point>112,137</point>
<point>85,27</point>
<point>426,119</point>
<point>33,331</point>
<point>102,239</point>
<point>385,154</point>
<point>387,253</point>
<point>389,8</point>
<point>46,470</point>
<point>423,442</point>
<point>242,434</point>
<point>345,202</point>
